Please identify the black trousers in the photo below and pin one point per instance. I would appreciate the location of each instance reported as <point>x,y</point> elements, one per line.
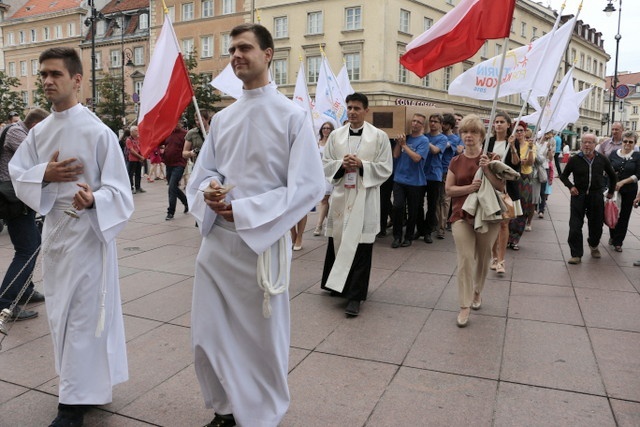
<point>409,196</point>
<point>385,202</point>
<point>357,285</point>
<point>429,223</point>
<point>591,205</point>
<point>620,232</point>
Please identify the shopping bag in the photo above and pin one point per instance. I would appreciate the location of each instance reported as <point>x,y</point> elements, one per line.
<point>611,213</point>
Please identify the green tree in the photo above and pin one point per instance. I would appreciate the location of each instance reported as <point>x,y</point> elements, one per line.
<point>109,109</point>
<point>10,100</point>
<point>39,98</point>
<point>204,92</point>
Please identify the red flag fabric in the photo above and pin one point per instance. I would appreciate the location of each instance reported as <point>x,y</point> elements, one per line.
<point>166,91</point>
<point>458,35</point>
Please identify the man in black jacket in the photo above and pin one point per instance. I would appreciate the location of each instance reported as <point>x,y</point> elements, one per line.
<point>588,168</point>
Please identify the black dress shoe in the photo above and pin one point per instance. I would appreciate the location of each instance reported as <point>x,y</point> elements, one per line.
<point>222,421</point>
<point>186,209</point>
<point>395,243</point>
<point>406,243</point>
<point>427,238</point>
<point>168,217</point>
<point>353,308</point>
<point>69,416</point>
<point>383,233</point>
<point>24,315</point>
<point>35,297</point>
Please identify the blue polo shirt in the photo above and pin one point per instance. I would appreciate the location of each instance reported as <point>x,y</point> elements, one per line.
<point>408,172</point>
<point>451,151</point>
<point>433,165</point>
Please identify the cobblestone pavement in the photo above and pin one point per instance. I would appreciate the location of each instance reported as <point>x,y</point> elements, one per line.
<point>553,345</point>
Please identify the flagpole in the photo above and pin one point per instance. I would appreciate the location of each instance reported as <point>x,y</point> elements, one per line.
<point>546,99</point>
<point>544,55</point>
<point>308,105</point>
<point>495,97</point>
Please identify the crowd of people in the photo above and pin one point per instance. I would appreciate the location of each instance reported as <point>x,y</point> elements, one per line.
<point>251,200</point>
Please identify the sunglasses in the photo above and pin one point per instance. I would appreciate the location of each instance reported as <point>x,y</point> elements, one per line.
<point>326,128</point>
<point>626,141</point>
<point>519,130</point>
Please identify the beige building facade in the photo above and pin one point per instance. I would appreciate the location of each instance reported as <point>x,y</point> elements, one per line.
<point>367,37</point>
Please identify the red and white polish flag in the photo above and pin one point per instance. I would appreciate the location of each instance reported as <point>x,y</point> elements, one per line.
<point>458,35</point>
<point>166,91</point>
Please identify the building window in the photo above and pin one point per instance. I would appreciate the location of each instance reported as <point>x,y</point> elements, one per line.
<point>98,60</point>
<point>352,62</point>
<point>34,36</point>
<point>57,32</point>
<point>635,109</point>
<point>143,21</point>
<point>588,64</point>
<point>100,28</point>
<point>581,66</point>
<point>206,8</point>
<point>448,73</point>
<point>21,37</point>
<point>314,23</point>
<point>523,29</point>
<point>228,6</point>
<point>280,27</point>
<point>25,97</point>
<point>138,55</point>
<point>225,41</point>
<point>137,86</point>
<point>634,125</point>
<point>46,35</point>
<point>280,71</point>
<point>114,58</point>
<point>513,21</point>
<point>11,40</point>
<point>206,48</point>
<point>313,68</point>
<point>485,49</point>
<point>353,18</point>
<point>12,69</point>
<point>187,47</point>
<point>428,23</point>
<point>172,13</point>
<point>187,12</point>
<point>71,29</point>
<point>402,73</point>
<point>573,56</point>
<point>498,49</point>
<point>405,18</point>
<point>35,67</point>
<point>23,68</point>
<point>425,81</point>
<point>534,33</point>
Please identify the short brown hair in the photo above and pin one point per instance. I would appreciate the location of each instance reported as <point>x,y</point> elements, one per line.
<point>69,56</point>
<point>35,116</point>
<point>472,123</point>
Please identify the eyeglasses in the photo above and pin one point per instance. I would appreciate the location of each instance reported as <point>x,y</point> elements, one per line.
<point>628,141</point>
<point>519,130</point>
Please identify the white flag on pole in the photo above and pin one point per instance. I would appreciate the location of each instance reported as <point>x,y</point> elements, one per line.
<point>479,82</point>
<point>329,99</point>
<point>302,98</point>
<point>228,82</point>
<point>343,82</point>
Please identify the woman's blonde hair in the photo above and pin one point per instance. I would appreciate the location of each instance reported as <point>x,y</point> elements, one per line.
<point>472,123</point>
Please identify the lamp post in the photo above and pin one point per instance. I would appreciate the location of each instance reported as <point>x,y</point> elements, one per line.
<point>608,11</point>
<point>125,59</point>
<point>91,23</point>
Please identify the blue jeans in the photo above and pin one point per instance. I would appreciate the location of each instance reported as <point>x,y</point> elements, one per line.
<point>25,237</point>
<point>174,175</point>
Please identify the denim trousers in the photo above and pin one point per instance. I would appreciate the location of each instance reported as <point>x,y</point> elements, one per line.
<point>174,175</point>
<point>25,238</point>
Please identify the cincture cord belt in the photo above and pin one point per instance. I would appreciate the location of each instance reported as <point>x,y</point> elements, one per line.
<point>264,275</point>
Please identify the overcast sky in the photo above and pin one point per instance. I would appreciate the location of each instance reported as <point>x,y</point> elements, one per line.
<point>592,14</point>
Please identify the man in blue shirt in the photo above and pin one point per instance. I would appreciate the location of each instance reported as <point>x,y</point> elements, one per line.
<point>433,172</point>
<point>410,153</point>
<point>453,148</point>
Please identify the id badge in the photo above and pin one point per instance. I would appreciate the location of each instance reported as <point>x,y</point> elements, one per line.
<point>350,179</point>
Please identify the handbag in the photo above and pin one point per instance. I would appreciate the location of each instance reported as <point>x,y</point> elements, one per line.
<point>611,213</point>
<point>10,206</point>
<point>541,172</point>
<point>507,205</point>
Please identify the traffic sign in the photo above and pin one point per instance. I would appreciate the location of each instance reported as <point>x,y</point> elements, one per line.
<point>622,91</point>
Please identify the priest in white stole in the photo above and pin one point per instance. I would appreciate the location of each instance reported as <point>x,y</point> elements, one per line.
<point>264,147</point>
<point>357,160</point>
<point>71,159</point>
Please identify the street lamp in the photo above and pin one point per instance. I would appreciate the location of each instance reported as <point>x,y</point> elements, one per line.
<point>608,11</point>
<point>91,22</point>
<point>125,59</point>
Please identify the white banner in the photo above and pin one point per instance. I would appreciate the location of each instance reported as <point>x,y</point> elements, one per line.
<point>521,64</point>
